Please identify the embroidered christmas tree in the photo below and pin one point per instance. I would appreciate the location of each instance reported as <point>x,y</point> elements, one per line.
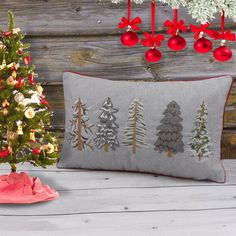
<point>200,142</point>
<point>107,132</point>
<point>81,127</point>
<point>169,132</point>
<point>135,132</point>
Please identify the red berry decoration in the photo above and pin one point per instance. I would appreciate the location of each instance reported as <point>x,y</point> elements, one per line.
<point>153,55</point>
<point>129,38</point>
<point>203,45</point>
<point>177,43</point>
<point>223,54</point>
<point>36,151</point>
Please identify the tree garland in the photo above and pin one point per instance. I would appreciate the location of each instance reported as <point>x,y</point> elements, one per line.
<point>201,10</point>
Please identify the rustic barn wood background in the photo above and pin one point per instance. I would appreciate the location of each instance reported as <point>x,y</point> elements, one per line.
<point>82,36</point>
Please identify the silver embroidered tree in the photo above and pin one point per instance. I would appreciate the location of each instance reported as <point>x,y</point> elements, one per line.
<point>169,132</point>
<point>81,127</point>
<point>200,142</point>
<point>106,135</point>
<point>135,132</point>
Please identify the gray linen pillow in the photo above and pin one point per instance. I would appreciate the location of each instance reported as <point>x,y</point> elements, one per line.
<point>169,128</point>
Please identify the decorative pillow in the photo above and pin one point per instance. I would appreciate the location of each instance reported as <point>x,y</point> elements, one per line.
<point>170,128</point>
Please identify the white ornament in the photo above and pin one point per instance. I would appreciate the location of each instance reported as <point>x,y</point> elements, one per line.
<point>19,97</point>
<point>29,113</point>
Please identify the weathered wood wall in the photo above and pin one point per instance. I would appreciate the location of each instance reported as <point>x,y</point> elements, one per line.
<point>82,36</point>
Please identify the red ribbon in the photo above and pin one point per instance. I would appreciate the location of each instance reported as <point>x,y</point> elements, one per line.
<point>133,24</point>
<point>174,27</point>
<point>151,40</point>
<point>203,28</point>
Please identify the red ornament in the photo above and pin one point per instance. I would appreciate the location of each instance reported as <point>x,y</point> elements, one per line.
<point>31,79</point>
<point>153,55</point>
<point>44,101</point>
<point>203,45</point>
<point>20,82</point>
<point>27,60</point>
<point>129,39</point>
<point>7,33</point>
<point>36,151</point>
<point>20,52</point>
<point>4,153</point>
<point>222,54</point>
<point>177,43</point>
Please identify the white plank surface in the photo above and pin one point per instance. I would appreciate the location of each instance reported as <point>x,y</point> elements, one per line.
<point>115,203</point>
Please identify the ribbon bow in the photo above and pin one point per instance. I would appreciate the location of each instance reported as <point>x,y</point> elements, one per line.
<point>203,28</point>
<point>151,40</point>
<point>175,26</point>
<point>227,35</point>
<point>133,24</point>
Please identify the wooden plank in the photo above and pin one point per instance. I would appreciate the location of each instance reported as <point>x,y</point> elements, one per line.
<point>131,200</point>
<point>105,57</point>
<point>83,17</point>
<point>94,179</point>
<point>210,223</point>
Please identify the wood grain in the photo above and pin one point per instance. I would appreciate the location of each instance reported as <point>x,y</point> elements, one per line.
<point>83,17</point>
<point>105,57</point>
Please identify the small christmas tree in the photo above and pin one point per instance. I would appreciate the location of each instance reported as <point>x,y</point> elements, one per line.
<point>24,111</point>
<point>169,132</point>
<point>106,135</point>
<point>135,132</point>
<point>200,142</point>
<point>80,126</point>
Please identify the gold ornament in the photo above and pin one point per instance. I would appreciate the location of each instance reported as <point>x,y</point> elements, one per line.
<point>14,74</point>
<point>29,113</point>
<point>5,103</point>
<point>11,81</point>
<point>39,89</point>
<point>48,147</point>
<point>32,136</point>
<point>5,111</point>
<point>19,97</point>
<point>19,127</point>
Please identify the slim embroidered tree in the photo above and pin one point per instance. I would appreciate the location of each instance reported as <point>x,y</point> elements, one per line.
<point>24,111</point>
<point>81,126</point>
<point>169,132</point>
<point>106,135</point>
<point>200,142</point>
<point>135,132</point>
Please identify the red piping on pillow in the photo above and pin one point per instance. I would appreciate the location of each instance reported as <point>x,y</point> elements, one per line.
<point>223,115</point>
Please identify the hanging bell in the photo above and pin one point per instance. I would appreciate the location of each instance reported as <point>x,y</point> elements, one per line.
<point>32,135</point>
<point>19,127</point>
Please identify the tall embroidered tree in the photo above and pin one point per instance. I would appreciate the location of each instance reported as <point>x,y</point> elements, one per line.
<point>200,142</point>
<point>135,132</point>
<point>106,135</point>
<point>81,126</point>
<point>169,132</point>
<point>24,111</point>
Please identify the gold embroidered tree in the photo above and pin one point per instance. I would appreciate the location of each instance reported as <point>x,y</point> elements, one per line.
<point>135,132</point>
<point>81,126</point>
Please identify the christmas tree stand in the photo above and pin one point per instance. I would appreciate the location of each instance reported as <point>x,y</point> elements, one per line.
<point>20,188</point>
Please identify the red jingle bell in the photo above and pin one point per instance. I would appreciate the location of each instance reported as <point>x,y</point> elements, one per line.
<point>203,45</point>
<point>177,43</point>
<point>4,153</point>
<point>222,54</point>
<point>129,39</point>
<point>153,55</point>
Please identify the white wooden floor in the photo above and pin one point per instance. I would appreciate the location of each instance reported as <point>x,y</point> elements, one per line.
<point>115,203</point>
